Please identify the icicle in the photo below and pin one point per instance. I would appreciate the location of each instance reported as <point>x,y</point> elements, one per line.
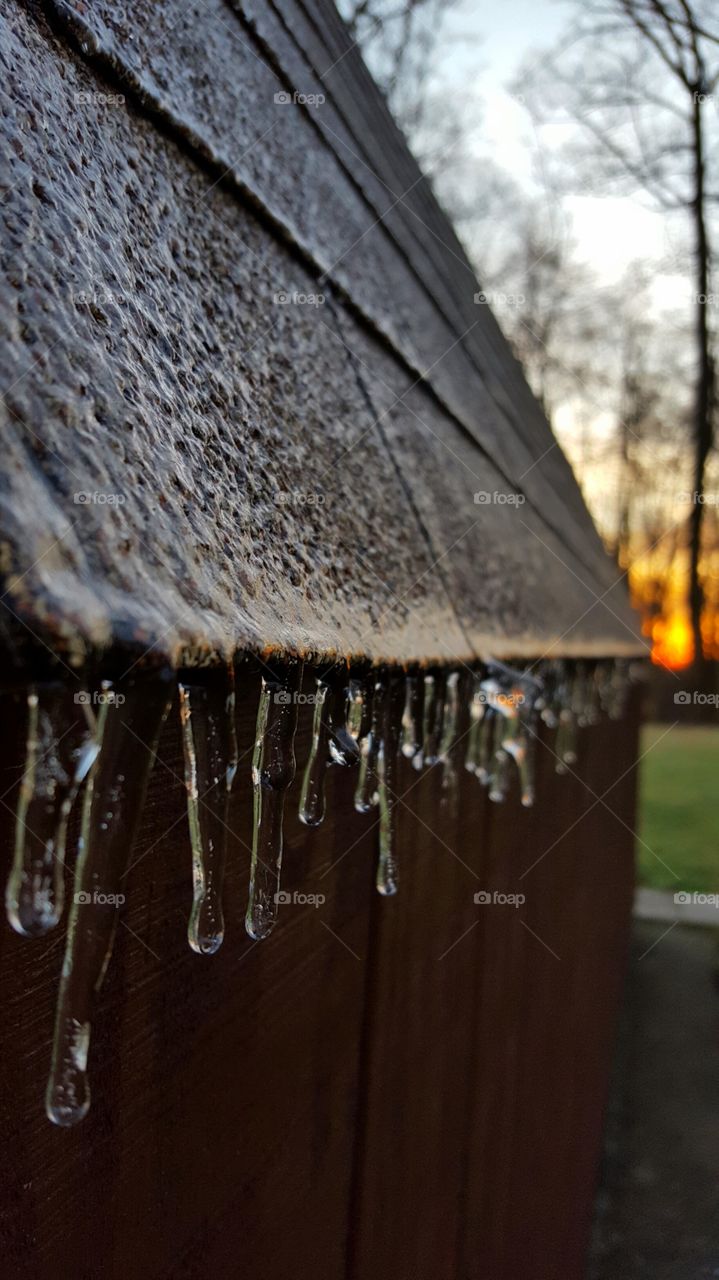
<point>207,714</point>
<point>447,754</point>
<point>367,794</point>
<point>518,747</point>
<point>527,762</point>
<point>412,719</point>
<point>355,710</point>
<point>128,732</point>
<point>60,751</point>
<point>273,769</point>
<point>312,797</point>
<point>511,698</point>
<point>434,691</point>
<point>450,715</point>
<point>618,689</point>
<point>332,743</point>
<point>477,707</point>
<point>485,746</point>
<point>565,742</point>
<point>548,705</point>
<point>590,711</point>
<point>343,745</point>
<point>391,701</point>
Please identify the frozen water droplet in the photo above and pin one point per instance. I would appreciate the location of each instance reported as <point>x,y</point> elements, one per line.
<point>355,710</point>
<point>341,717</point>
<point>618,689</point>
<point>333,742</point>
<point>367,793</point>
<point>390,700</point>
<point>207,715</point>
<point>60,751</point>
<point>450,724</point>
<point>434,691</point>
<point>485,753</point>
<point>127,732</point>
<point>413,718</point>
<point>565,704</point>
<point>511,696</point>
<point>477,707</point>
<point>273,769</point>
<point>312,796</point>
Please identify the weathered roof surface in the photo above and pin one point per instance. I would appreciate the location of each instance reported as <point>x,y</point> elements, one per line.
<point>241,327</point>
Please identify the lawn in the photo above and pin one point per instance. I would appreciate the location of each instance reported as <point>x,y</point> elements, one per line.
<point>679,808</point>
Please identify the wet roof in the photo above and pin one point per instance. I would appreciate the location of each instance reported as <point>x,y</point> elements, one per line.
<point>249,399</point>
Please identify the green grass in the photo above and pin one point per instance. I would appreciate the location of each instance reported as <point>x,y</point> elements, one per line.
<point>679,808</point>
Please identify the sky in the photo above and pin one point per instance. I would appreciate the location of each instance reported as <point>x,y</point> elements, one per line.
<point>482,47</point>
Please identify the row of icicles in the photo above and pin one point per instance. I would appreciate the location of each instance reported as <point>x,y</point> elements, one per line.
<point>485,720</point>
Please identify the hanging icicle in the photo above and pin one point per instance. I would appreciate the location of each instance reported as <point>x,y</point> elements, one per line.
<point>452,713</point>
<point>490,719</point>
<point>390,700</point>
<point>129,723</point>
<point>355,711</point>
<point>60,749</point>
<point>565,743</point>
<point>477,709</point>
<point>207,714</point>
<point>367,793</point>
<point>332,742</point>
<point>434,693</point>
<point>511,696</point>
<point>273,770</point>
<point>412,719</point>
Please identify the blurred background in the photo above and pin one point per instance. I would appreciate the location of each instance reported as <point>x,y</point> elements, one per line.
<point>575,145</point>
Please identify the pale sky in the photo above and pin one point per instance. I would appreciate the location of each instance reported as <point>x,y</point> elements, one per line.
<point>483,45</point>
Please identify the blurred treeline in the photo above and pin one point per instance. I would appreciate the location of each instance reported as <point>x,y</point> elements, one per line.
<point>624,104</point>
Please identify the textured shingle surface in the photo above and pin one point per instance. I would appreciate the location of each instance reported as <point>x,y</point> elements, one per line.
<point>262,368</point>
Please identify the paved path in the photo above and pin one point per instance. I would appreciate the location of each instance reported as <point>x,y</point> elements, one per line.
<point>658,1211</point>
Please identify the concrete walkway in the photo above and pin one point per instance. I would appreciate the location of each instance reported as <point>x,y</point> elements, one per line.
<point>685,907</point>
<point>658,1207</point>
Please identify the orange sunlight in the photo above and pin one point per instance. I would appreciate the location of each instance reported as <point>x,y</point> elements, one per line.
<point>672,641</point>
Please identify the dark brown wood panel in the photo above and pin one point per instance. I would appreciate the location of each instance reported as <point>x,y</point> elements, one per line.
<point>419,1081</point>
<point>224,1088</point>
<point>400,1088</point>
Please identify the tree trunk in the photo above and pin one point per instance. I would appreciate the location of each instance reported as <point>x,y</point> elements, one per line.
<point>704,405</point>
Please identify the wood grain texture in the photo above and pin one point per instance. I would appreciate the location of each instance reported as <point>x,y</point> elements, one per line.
<point>399,1088</point>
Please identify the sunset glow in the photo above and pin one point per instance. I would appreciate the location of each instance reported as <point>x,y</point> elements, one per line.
<point>672,641</point>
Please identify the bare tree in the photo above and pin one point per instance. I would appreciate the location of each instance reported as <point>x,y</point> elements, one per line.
<point>638,80</point>
<point>400,40</point>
